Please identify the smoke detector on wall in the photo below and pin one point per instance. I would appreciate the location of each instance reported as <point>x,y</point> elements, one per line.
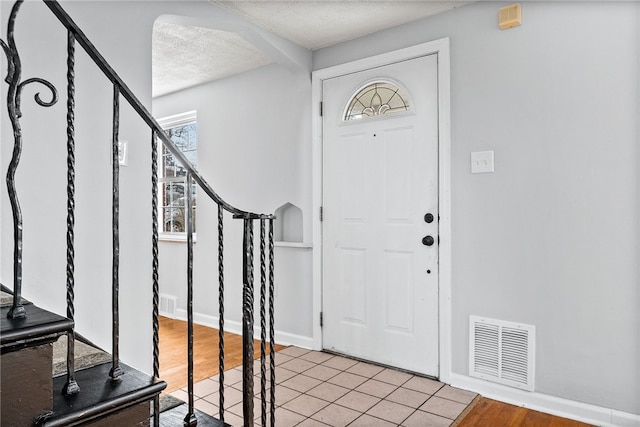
<point>510,16</point>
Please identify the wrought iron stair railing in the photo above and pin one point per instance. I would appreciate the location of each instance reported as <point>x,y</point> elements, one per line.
<point>266,258</point>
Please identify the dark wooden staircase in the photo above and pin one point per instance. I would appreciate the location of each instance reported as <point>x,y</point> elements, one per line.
<point>27,354</point>
<point>31,396</point>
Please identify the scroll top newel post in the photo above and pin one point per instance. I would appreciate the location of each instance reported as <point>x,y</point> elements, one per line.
<point>14,93</point>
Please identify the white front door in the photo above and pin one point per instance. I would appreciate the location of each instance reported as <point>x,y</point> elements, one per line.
<point>380,189</point>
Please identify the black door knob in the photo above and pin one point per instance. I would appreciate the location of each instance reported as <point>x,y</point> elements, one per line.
<point>428,218</point>
<point>428,240</point>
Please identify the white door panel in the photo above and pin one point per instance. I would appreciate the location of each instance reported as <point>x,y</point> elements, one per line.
<point>380,282</point>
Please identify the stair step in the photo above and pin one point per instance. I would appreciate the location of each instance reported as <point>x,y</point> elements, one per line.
<point>103,401</point>
<point>38,327</point>
<point>86,355</point>
<point>175,416</point>
<point>26,347</point>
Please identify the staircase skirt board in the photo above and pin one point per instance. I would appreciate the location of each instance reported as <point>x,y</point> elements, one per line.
<point>102,397</point>
<point>26,385</point>
<point>175,416</point>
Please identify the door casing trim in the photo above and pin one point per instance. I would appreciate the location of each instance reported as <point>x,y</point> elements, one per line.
<point>441,48</point>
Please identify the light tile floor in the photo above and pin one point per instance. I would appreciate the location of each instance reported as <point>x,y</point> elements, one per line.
<point>320,389</point>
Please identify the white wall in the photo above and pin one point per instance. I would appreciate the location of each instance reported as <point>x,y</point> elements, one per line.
<point>252,135</point>
<point>551,238</point>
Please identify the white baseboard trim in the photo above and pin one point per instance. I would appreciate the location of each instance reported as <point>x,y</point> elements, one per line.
<point>566,408</point>
<point>283,338</point>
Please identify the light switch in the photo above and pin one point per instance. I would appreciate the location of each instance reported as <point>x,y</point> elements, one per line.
<point>482,162</point>
<point>122,152</point>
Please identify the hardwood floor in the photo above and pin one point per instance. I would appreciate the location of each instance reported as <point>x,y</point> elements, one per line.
<point>491,413</point>
<point>173,352</point>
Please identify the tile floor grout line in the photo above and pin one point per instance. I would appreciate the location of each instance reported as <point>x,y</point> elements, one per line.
<point>383,383</point>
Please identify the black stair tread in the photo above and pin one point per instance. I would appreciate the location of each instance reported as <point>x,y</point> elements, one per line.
<point>39,326</point>
<point>100,395</point>
<point>175,416</point>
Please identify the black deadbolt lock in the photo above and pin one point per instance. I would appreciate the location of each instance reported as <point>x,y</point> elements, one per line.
<point>428,240</point>
<point>428,218</point>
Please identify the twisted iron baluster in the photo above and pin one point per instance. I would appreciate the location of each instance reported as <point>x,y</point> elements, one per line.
<point>14,73</point>
<point>272,352</point>
<point>116,370</point>
<point>247,324</point>
<point>189,419</point>
<point>221,308</point>
<point>263,325</point>
<point>155,269</point>
<point>71,386</point>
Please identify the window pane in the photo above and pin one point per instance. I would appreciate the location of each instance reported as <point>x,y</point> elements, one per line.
<point>174,205</point>
<point>172,223</point>
<point>169,164</point>
<point>376,99</point>
<point>185,139</point>
<point>172,177</point>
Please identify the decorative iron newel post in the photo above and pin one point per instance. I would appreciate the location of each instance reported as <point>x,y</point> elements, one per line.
<point>14,72</point>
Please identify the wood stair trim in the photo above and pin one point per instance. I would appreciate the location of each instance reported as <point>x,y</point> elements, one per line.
<point>38,327</point>
<point>174,417</point>
<point>99,395</point>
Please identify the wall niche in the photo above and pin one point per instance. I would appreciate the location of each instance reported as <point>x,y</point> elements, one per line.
<point>288,224</point>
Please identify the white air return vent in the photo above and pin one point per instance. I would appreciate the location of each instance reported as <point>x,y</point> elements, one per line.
<point>167,306</point>
<point>502,352</point>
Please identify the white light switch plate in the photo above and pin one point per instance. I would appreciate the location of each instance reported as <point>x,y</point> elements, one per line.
<point>482,162</point>
<point>122,152</point>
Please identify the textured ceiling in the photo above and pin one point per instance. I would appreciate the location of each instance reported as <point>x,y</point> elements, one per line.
<point>318,24</point>
<point>188,56</point>
<point>185,56</point>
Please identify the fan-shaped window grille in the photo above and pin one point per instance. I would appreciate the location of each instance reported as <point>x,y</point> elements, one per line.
<point>376,99</point>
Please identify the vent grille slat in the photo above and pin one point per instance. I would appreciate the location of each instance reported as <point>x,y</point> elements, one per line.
<point>167,306</point>
<point>502,352</point>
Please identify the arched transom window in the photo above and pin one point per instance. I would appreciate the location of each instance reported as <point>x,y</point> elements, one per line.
<point>376,99</point>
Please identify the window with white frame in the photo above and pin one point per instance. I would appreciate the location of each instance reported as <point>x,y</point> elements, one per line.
<point>172,180</point>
